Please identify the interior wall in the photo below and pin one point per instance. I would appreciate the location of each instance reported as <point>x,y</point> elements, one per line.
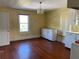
<point>54,16</point>
<point>75,28</point>
<point>36,22</point>
<point>59,18</point>
<point>51,19</point>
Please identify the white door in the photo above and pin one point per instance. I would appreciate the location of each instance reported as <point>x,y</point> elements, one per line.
<point>4,27</point>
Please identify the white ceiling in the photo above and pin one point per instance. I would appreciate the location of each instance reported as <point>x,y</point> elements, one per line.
<point>33,4</point>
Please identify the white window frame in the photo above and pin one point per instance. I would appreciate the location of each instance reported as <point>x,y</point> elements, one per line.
<point>23,23</point>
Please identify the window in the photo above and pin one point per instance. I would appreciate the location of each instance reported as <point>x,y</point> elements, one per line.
<point>23,23</point>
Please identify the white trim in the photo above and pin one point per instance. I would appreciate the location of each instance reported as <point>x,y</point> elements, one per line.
<point>3,44</point>
<point>27,37</point>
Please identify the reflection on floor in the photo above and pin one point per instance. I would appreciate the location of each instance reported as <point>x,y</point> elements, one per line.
<point>34,49</point>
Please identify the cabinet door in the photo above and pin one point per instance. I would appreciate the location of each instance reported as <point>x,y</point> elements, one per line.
<point>49,34</point>
<point>77,36</point>
<point>69,39</point>
<point>73,4</point>
<point>44,33</point>
<point>74,51</point>
<point>4,34</point>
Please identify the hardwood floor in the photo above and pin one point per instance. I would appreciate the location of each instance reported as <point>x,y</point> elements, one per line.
<point>34,49</point>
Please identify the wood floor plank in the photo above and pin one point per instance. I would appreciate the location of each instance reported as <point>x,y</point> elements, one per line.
<point>34,49</point>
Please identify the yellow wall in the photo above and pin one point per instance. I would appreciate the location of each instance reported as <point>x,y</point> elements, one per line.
<point>36,22</point>
<point>50,19</point>
<point>53,17</point>
<point>75,28</point>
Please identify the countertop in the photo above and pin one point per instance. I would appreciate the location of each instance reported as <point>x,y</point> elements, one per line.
<point>73,32</point>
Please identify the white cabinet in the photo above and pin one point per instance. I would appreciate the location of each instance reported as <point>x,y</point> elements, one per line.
<point>74,51</point>
<point>73,4</point>
<point>69,39</point>
<point>77,36</point>
<point>49,34</point>
<point>44,33</point>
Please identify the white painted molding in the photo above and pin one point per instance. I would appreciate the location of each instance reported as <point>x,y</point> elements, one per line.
<point>27,37</point>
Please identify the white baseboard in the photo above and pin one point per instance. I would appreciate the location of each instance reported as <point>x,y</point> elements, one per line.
<point>4,44</point>
<point>19,38</point>
<point>27,37</point>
